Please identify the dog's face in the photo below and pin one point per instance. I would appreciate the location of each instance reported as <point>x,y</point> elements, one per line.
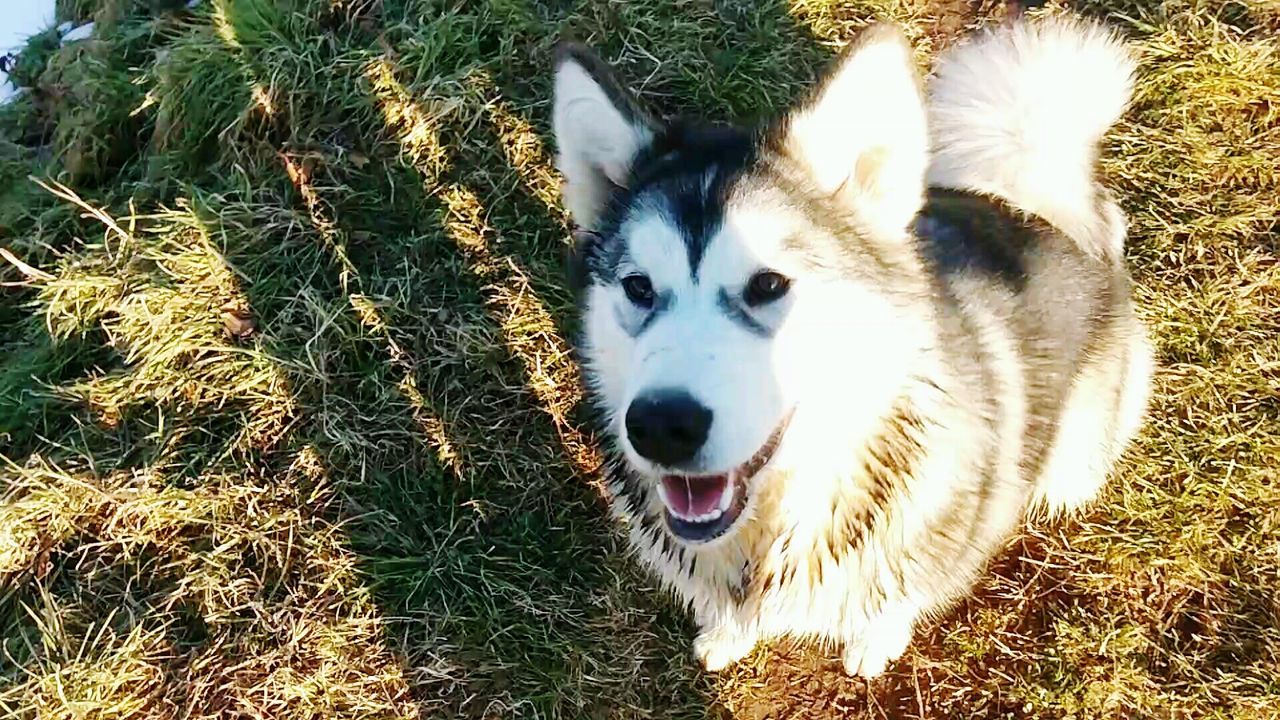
<point>744,292</point>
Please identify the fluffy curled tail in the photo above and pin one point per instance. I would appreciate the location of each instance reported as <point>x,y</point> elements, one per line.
<point>1018,111</point>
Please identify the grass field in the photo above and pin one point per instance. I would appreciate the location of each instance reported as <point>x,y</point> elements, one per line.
<point>289,427</point>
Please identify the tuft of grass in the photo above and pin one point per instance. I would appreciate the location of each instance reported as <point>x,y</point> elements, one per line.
<point>30,63</point>
<point>289,426</point>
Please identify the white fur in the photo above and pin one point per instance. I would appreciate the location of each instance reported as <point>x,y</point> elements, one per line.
<point>846,352</point>
<point>594,138</point>
<point>693,346</point>
<point>864,135</point>
<point>1093,432</point>
<point>1018,112</point>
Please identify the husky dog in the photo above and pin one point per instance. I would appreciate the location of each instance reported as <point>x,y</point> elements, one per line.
<point>842,355</point>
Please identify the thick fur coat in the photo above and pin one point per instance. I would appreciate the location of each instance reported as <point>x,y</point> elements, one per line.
<point>841,356</point>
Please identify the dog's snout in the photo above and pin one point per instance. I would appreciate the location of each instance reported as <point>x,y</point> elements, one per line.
<point>668,426</point>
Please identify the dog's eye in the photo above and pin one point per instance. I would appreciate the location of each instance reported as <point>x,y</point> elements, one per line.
<point>639,290</point>
<point>765,287</point>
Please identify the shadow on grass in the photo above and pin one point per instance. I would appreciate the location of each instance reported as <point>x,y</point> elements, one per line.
<point>394,232</point>
<point>402,265</point>
<point>448,413</point>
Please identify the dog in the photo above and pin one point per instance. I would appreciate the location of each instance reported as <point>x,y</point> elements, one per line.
<point>843,354</point>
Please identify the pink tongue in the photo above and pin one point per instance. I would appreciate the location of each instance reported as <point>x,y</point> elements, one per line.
<point>694,496</point>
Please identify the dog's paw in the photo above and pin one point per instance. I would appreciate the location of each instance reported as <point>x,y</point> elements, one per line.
<point>718,648</point>
<point>883,643</point>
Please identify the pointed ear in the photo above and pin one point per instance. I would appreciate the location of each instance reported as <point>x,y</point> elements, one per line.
<point>599,129</point>
<point>862,135</point>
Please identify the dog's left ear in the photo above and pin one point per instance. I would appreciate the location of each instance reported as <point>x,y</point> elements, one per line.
<point>600,128</point>
<point>862,134</point>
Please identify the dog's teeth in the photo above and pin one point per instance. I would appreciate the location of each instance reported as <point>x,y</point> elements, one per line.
<point>726,498</point>
<point>708,517</point>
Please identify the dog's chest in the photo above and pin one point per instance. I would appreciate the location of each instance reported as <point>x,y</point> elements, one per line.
<point>794,575</point>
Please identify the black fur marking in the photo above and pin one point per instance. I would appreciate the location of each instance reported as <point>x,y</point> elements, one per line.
<point>693,169</point>
<point>1060,299</point>
<point>965,232</point>
<point>575,258</point>
<point>738,592</point>
<point>631,495</point>
<point>739,315</point>
<point>687,173</point>
<point>652,530</point>
<point>601,259</point>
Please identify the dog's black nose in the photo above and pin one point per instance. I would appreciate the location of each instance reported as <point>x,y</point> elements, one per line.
<point>667,426</point>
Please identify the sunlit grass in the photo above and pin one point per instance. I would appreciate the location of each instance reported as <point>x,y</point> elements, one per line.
<point>290,428</point>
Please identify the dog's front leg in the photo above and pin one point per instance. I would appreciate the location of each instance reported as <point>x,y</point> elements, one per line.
<point>883,640</point>
<point>723,640</point>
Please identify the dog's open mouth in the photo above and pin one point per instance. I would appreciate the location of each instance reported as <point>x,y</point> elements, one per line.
<point>701,508</point>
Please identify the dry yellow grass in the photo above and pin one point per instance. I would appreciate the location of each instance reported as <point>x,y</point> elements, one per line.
<point>289,427</point>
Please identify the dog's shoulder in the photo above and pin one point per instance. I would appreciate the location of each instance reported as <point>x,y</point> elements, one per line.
<point>962,231</point>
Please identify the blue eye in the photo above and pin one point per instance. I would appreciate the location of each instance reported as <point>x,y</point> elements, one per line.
<point>765,287</point>
<point>639,290</point>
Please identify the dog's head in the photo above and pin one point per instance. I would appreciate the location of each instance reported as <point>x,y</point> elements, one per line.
<point>747,294</point>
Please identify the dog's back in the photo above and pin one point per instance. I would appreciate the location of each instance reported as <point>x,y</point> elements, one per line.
<point>1018,225</point>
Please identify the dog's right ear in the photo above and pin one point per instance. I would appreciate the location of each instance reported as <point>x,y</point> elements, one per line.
<point>599,129</point>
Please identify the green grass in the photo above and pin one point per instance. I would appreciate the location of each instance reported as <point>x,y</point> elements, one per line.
<point>289,427</point>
